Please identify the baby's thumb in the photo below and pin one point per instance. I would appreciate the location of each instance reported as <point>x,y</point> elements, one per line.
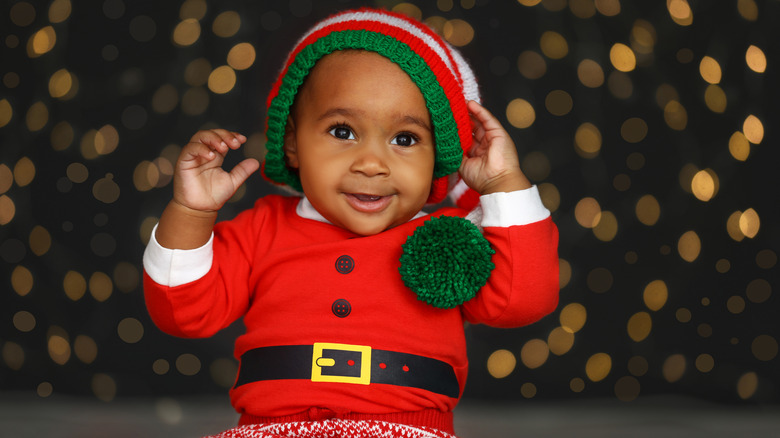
<point>243,170</point>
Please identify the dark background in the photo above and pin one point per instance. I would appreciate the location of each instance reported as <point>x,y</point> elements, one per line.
<point>74,218</point>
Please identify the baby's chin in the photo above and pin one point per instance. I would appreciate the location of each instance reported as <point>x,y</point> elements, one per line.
<point>373,226</point>
<point>368,229</point>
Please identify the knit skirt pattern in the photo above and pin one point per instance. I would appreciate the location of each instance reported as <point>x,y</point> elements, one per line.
<point>332,428</point>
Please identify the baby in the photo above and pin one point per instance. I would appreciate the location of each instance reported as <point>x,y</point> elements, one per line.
<point>353,297</point>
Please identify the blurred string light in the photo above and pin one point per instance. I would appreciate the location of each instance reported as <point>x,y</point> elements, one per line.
<point>622,57</point>
<point>755,59</point>
<point>553,45</point>
<point>680,11</point>
<point>710,70</point>
<point>563,71</point>
<point>753,129</point>
<point>590,73</point>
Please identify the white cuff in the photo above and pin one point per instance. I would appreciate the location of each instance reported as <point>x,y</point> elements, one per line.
<point>514,208</point>
<point>174,267</point>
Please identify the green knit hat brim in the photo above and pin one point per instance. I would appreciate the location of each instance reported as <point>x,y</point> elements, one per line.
<point>448,149</point>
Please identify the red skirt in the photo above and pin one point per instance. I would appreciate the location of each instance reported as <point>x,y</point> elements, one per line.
<point>333,428</point>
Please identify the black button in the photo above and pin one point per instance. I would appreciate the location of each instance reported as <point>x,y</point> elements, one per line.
<point>345,264</point>
<point>341,308</point>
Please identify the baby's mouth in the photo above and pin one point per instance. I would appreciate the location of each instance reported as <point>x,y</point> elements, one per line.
<point>368,203</point>
<point>366,198</point>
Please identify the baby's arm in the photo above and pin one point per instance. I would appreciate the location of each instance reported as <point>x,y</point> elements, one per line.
<point>523,287</point>
<point>200,188</point>
<point>180,251</point>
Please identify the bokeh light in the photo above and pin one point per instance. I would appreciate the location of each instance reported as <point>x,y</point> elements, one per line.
<point>222,79</point>
<point>520,113</point>
<point>739,146</point>
<point>554,45</point>
<point>560,341</point>
<point>689,246</point>
<point>755,59</point>
<point>588,212</point>
<point>85,348</point>
<point>558,102</point>
<point>573,317</point>
<point>241,56</point>
<point>747,385</point>
<point>531,64</point>
<point>655,295</point>
<point>41,42</point>
<point>588,140</point>
<point>753,129</point>
<point>534,353</point>
<point>710,70</point>
<point>501,363</point>
<point>590,73</point>
<point>705,184</point>
<point>716,99</point>
<point>598,367</point>
<point>458,32</point>
<point>680,11</point>
<point>6,112</point>
<point>639,326</point>
<point>622,57</point>
<point>186,32</point>
<point>226,24</point>
<point>633,130</point>
<point>648,210</point>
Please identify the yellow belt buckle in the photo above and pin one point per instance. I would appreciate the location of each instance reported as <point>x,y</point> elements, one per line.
<point>318,362</point>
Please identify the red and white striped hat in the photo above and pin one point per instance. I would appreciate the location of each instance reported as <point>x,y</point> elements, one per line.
<point>443,76</point>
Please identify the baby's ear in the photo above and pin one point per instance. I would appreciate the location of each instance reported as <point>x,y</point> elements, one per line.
<point>290,145</point>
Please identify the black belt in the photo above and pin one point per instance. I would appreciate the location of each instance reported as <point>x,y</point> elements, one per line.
<point>341,363</point>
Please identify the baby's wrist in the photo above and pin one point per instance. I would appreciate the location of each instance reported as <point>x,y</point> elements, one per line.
<point>509,182</point>
<point>192,212</point>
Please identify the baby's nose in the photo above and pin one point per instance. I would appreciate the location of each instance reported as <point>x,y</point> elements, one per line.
<point>371,159</point>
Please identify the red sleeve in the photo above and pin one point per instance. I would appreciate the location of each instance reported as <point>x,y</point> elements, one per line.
<point>524,285</point>
<point>205,306</point>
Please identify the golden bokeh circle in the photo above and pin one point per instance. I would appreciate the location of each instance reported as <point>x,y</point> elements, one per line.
<point>501,363</point>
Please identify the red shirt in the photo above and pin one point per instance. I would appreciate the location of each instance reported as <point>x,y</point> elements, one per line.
<point>283,274</point>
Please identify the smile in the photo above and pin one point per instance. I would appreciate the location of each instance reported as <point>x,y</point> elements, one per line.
<point>367,203</point>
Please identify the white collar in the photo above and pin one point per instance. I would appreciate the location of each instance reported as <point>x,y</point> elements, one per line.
<point>307,211</point>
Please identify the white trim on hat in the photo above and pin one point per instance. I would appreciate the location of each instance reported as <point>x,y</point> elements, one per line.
<point>407,26</point>
<point>469,81</point>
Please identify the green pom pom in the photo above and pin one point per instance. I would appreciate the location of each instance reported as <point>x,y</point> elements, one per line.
<point>446,261</point>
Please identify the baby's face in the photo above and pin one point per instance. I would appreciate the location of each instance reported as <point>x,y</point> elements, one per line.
<point>362,142</point>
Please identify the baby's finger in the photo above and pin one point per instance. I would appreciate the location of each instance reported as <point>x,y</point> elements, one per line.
<point>196,153</point>
<point>476,124</point>
<point>483,116</point>
<point>212,139</point>
<point>478,132</point>
<point>241,137</point>
<point>219,140</point>
<point>241,172</point>
<point>231,139</point>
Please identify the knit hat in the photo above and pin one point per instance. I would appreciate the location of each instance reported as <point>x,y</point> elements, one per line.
<point>442,75</point>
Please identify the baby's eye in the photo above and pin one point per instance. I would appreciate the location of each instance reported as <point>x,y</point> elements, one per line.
<point>342,133</point>
<point>404,139</point>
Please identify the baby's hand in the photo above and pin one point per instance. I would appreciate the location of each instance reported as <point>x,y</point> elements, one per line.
<point>199,181</point>
<point>492,164</point>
